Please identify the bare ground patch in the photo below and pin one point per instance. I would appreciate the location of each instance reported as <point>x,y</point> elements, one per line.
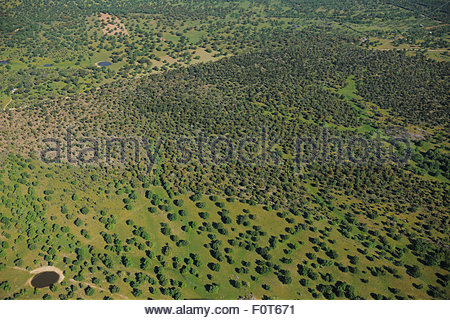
<point>114,26</point>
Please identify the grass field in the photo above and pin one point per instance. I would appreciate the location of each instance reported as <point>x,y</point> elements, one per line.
<point>105,199</point>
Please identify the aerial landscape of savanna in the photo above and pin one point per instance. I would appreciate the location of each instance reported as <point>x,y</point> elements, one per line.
<point>224,150</point>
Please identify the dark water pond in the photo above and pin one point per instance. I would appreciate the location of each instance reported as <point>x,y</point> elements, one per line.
<point>48,65</point>
<point>104,63</point>
<point>4,61</point>
<point>44,279</point>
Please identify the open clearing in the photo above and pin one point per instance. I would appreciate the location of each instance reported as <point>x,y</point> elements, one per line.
<point>114,25</point>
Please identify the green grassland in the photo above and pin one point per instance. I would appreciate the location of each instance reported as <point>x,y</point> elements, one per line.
<point>170,251</point>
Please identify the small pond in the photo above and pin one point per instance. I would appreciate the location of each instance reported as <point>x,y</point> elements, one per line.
<point>44,279</point>
<point>48,65</point>
<point>104,63</point>
<point>4,61</point>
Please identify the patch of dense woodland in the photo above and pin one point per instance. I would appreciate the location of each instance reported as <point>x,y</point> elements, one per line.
<point>237,96</point>
<point>413,87</point>
<point>437,9</point>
